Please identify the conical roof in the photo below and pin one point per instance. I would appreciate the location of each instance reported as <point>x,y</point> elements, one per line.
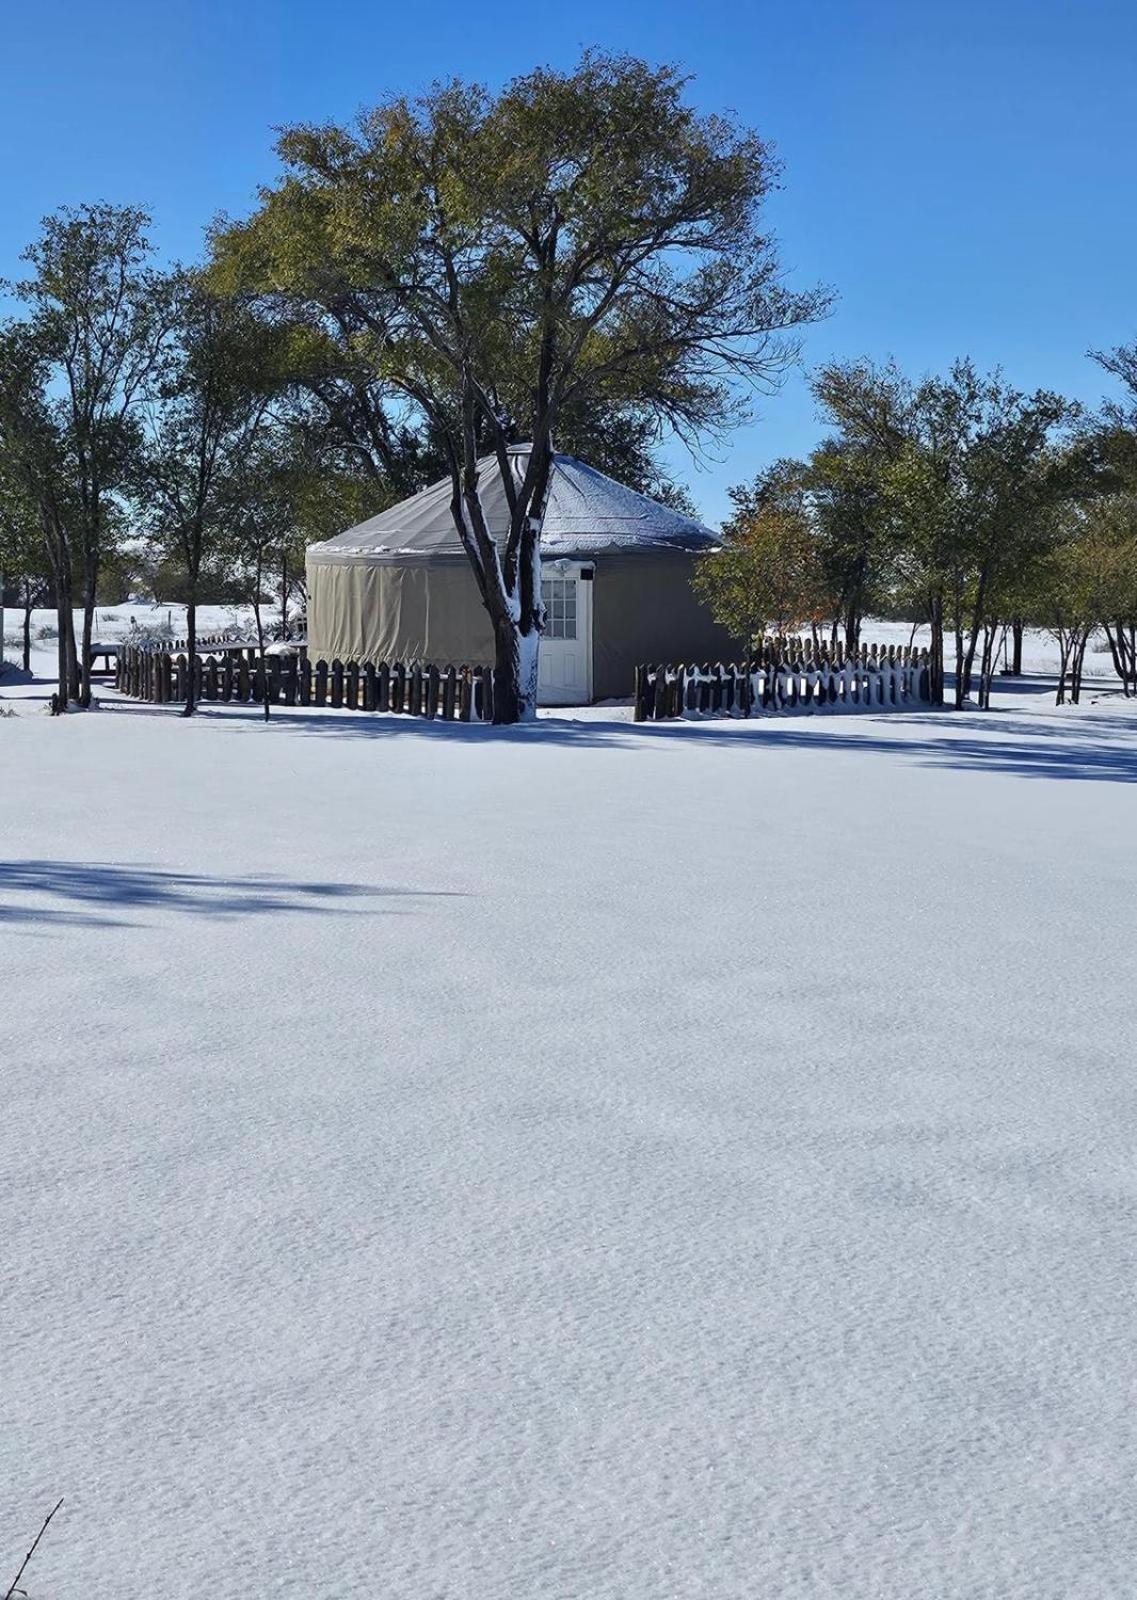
<point>586,513</point>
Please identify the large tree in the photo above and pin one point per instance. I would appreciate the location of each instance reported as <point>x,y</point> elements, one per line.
<point>583,239</point>
<point>212,392</point>
<point>97,315</point>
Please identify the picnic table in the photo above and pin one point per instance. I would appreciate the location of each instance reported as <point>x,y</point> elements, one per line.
<point>107,652</point>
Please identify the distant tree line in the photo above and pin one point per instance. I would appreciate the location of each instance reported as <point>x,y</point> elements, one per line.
<point>955,501</point>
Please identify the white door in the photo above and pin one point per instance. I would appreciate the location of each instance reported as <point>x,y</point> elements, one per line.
<point>566,644</point>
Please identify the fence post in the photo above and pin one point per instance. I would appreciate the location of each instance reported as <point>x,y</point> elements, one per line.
<point>291,679</point>
<point>432,682</point>
<point>304,687</point>
<point>486,679</point>
<point>227,677</point>
<point>449,694</point>
<point>351,685</point>
<point>638,695</point>
<point>337,683</point>
<point>369,696</point>
<point>465,694</point>
<point>659,699</point>
<point>398,686</point>
<point>383,687</point>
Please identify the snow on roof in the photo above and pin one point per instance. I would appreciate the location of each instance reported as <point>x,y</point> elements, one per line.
<point>587,512</point>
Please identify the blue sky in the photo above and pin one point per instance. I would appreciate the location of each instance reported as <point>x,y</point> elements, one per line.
<point>963,175</point>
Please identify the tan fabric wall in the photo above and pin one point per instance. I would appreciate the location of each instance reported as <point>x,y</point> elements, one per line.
<point>643,610</point>
<point>372,611</point>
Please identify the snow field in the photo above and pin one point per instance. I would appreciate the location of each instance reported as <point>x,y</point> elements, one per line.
<point>573,1161</point>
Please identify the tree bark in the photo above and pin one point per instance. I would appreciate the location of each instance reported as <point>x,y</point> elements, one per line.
<point>260,631</point>
<point>27,624</point>
<point>959,667</point>
<point>936,649</point>
<point>1076,672</point>
<point>90,580</point>
<point>964,670</point>
<point>1017,647</point>
<point>515,674</point>
<point>65,623</point>
<point>1065,646</point>
<point>191,651</point>
<point>852,629</point>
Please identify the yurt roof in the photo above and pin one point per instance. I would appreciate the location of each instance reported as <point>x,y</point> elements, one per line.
<point>586,513</point>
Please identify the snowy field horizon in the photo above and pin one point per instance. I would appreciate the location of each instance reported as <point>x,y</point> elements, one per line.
<point>578,1160</point>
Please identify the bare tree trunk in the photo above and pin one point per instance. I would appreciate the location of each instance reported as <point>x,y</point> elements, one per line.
<point>260,631</point>
<point>936,649</point>
<point>1065,647</point>
<point>963,680</point>
<point>852,629</point>
<point>1017,646</point>
<point>191,651</point>
<point>515,673</point>
<point>28,597</point>
<point>987,664</point>
<point>65,623</point>
<point>90,579</point>
<point>959,668</point>
<point>1079,659</point>
<point>63,664</point>
<point>72,650</point>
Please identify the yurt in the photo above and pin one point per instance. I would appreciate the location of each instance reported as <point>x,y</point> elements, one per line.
<point>615,580</point>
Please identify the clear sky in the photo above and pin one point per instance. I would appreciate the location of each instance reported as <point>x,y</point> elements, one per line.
<point>964,175</point>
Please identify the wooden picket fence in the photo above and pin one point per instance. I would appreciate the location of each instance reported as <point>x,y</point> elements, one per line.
<point>458,694</point>
<point>786,675</point>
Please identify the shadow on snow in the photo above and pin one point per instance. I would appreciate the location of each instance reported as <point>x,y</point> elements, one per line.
<point>97,892</point>
<point>1081,745</point>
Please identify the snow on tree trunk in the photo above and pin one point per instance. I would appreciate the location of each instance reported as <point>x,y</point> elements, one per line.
<point>513,604</point>
<point>516,665</point>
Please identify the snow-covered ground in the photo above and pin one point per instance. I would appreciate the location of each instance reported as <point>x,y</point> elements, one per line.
<point>576,1161</point>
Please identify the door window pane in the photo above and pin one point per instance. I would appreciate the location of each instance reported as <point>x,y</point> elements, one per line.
<point>558,595</point>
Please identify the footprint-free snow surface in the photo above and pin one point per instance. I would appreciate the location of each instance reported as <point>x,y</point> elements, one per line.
<point>578,1161</point>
